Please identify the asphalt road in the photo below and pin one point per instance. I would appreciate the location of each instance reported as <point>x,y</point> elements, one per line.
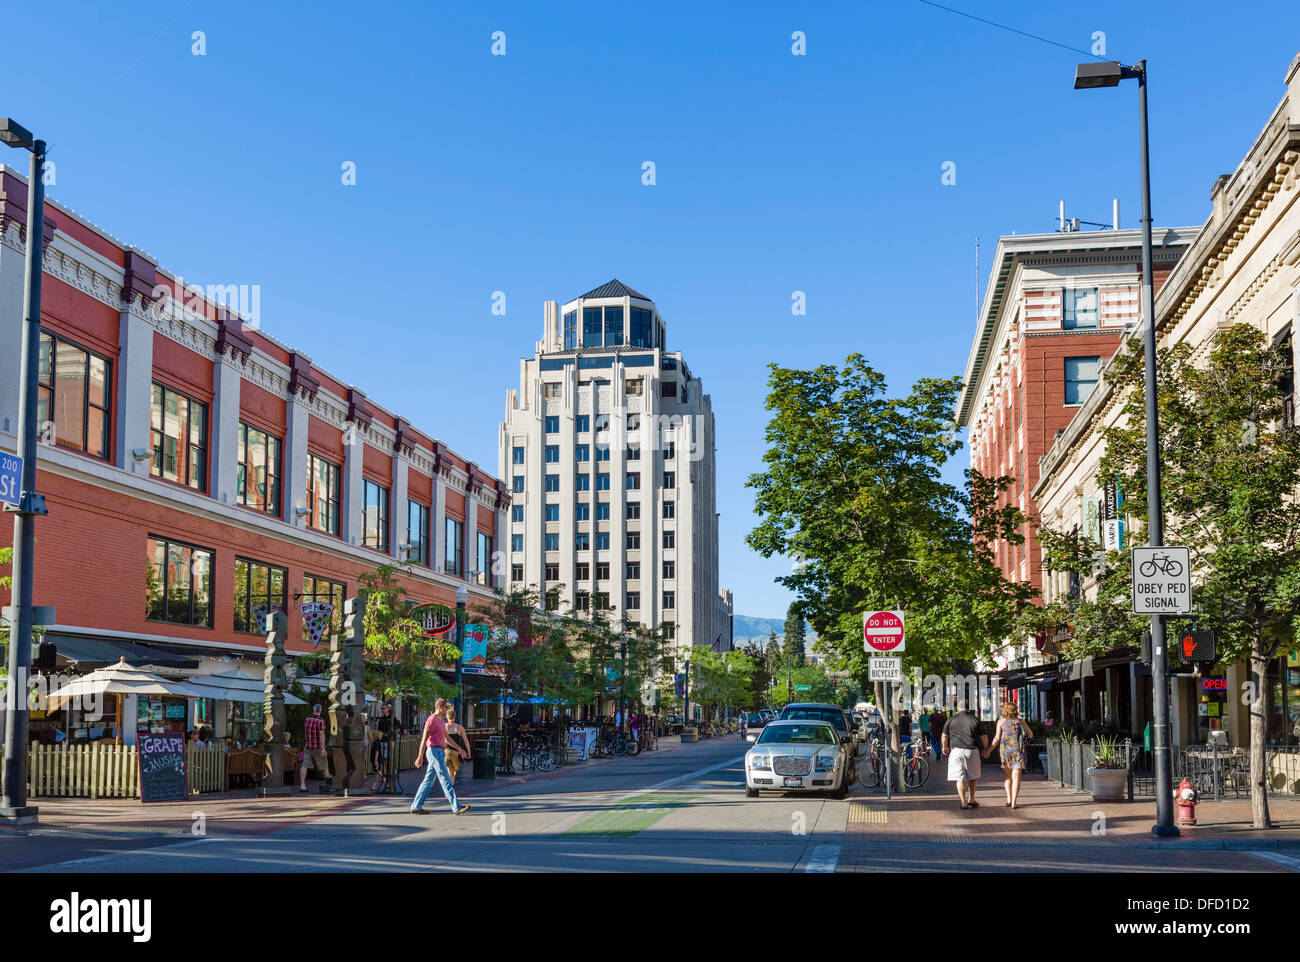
<point>678,811</point>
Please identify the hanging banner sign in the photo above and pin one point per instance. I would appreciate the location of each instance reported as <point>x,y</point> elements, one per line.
<point>315,618</point>
<point>435,620</point>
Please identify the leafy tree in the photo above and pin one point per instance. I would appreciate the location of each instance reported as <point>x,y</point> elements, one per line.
<point>400,660</point>
<point>793,645</point>
<point>720,679</point>
<point>821,687</point>
<point>853,489</point>
<point>759,676</point>
<point>6,559</point>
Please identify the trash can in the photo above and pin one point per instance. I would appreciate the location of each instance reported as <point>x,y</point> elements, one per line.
<point>485,759</point>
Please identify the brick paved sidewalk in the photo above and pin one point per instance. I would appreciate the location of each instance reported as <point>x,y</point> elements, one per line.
<point>1046,815</point>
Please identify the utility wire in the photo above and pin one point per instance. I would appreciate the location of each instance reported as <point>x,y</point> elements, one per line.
<point>1003,26</point>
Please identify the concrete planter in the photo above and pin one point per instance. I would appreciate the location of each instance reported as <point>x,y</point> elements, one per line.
<point>688,735</point>
<point>1108,784</point>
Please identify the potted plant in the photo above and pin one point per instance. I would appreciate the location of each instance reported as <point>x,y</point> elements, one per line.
<point>1109,774</point>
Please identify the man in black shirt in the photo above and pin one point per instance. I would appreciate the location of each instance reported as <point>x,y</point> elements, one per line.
<point>963,742</point>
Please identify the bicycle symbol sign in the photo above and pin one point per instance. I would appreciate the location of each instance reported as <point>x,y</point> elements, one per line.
<point>1162,581</point>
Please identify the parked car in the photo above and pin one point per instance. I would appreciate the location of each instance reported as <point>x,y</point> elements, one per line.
<point>769,713</point>
<point>821,711</point>
<point>799,755</point>
<point>754,724</point>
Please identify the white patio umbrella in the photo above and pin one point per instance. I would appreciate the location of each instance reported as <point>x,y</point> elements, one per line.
<point>120,679</point>
<point>235,686</point>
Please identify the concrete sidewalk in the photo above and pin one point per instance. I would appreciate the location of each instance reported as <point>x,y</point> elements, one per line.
<point>1048,816</point>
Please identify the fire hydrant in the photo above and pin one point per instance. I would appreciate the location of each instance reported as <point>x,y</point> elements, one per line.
<point>1186,798</point>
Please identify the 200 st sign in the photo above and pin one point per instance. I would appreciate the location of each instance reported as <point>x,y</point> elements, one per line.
<point>1162,581</point>
<point>882,631</point>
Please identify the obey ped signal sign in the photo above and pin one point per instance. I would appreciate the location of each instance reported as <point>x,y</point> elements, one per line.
<point>882,631</point>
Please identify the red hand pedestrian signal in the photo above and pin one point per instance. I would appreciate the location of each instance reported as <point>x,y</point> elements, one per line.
<point>1189,646</point>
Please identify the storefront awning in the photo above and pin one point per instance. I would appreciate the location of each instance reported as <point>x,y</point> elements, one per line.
<point>88,652</point>
<point>1074,670</point>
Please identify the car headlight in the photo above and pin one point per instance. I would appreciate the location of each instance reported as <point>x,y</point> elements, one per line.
<point>825,763</point>
<point>760,761</point>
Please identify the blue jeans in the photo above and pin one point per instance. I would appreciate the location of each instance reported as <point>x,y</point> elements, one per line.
<point>936,742</point>
<point>436,760</point>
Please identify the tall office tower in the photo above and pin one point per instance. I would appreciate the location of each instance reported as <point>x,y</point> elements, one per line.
<point>608,446</point>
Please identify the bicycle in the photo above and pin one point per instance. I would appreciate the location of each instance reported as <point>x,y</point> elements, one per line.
<point>533,751</point>
<point>1162,563</point>
<point>914,762</point>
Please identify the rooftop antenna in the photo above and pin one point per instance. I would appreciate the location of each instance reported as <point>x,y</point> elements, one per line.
<point>1072,225</point>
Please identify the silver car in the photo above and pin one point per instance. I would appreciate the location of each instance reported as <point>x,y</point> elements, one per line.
<point>802,755</point>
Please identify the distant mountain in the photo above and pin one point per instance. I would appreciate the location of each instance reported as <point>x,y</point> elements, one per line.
<point>747,629</point>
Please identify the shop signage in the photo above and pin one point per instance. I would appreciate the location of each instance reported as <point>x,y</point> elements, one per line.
<point>1112,502</point>
<point>1092,519</point>
<point>1162,581</point>
<point>162,767</point>
<point>435,620</point>
<point>1112,534</point>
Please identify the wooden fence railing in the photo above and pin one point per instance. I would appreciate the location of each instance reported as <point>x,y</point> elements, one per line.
<point>111,771</point>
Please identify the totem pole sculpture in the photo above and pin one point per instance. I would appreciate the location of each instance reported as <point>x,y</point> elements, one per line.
<point>273,727</point>
<point>347,733</point>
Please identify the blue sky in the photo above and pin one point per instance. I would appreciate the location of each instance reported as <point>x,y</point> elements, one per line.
<point>522,173</point>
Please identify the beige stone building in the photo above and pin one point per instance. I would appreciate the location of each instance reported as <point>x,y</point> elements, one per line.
<point>1242,267</point>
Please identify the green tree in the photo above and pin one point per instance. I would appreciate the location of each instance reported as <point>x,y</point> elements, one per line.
<point>853,489</point>
<point>400,660</point>
<point>793,644</point>
<point>6,559</point>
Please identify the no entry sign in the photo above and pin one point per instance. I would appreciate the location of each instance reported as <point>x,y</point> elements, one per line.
<point>882,631</point>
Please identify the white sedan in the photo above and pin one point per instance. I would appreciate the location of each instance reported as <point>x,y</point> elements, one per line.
<point>799,755</point>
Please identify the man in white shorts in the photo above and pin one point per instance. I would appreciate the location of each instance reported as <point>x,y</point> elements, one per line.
<point>963,741</point>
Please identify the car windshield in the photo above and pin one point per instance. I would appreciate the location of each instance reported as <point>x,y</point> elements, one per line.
<point>810,734</point>
<point>836,718</point>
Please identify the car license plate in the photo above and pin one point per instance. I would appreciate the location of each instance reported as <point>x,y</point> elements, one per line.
<point>794,783</point>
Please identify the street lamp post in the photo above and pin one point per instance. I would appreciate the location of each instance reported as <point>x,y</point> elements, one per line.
<point>13,806</point>
<point>622,677</point>
<point>461,597</point>
<point>1109,74</point>
<point>686,687</point>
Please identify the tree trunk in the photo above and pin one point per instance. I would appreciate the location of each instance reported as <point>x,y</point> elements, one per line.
<point>1258,776</point>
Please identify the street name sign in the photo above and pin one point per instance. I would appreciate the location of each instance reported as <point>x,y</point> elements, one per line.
<point>1162,581</point>
<point>803,687</point>
<point>881,668</point>
<point>882,631</point>
<point>11,478</point>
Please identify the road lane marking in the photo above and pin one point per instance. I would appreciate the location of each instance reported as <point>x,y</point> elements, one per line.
<point>120,855</point>
<point>631,816</point>
<point>1277,858</point>
<point>823,859</point>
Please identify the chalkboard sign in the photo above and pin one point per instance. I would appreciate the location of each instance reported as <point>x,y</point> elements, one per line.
<point>162,767</point>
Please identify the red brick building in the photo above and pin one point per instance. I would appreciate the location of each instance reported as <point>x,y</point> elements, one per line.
<point>199,473</point>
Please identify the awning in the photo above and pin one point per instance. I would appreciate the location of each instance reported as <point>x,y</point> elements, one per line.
<point>235,686</point>
<point>89,652</point>
<point>1046,684</point>
<point>1017,680</point>
<point>1074,670</point>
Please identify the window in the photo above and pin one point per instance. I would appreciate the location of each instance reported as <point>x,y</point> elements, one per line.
<point>602,481</point>
<point>613,325</point>
<point>516,573</point>
<point>582,511</point>
<point>259,590</point>
<point>552,390</point>
<point>257,474</point>
<point>582,601</point>
<point>517,484</point>
<point>670,539</point>
<point>1081,375</point>
<point>552,512</point>
<point>591,326</point>
<point>582,423</point>
<point>74,395</point>
<point>634,481</point>
<point>454,545</point>
<point>670,630</point>
<point>633,540</point>
<point>633,510</point>
<point>602,540</point>
<point>417,533</point>
<point>570,330</point>
<point>1286,383</point>
<point>582,571</point>
<point>552,571</point>
<point>179,429</point>
<point>1080,308</point>
<point>517,455</point>
<point>670,509</point>
<point>670,479</point>
<point>329,592</point>
<point>582,452</point>
<point>602,423</point>
<point>517,512</point>
<point>552,454</point>
<point>323,494</point>
<point>634,387</point>
<point>180,583</point>
<point>581,541</point>
<point>516,542</point>
<point>484,564</point>
<point>668,389</point>
<point>552,483</point>
<point>602,570</point>
<point>639,329</point>
<point>670,600</point>
<point>670,451</point>
<point>634,422</point>
<point>633,570</point>
<point>582,482</point>
<point>670,570</point>
<point>602,452</point>
<point>634,452</point>
<point>374,519</point>
<point>633,601</point>
<point>551,542</point>
<point>552,601</point>
<point>602,511</point>
<point>600,599</point>
<point>552,425</point>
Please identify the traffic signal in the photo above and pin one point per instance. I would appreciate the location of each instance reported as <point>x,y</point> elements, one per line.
<point>1198,645</point>
<point>43,656</point>
<point>1146,648</point>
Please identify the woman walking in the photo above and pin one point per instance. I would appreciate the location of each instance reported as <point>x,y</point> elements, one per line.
<point>457,743</point>
<point>1009,739</point>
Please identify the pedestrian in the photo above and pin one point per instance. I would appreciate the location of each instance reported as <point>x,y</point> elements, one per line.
<point>905,726</point>
<point>634,722</point>
<point>457,743</point>
<point>962,742</point>
<point>924,723</point>
<point>433,746</point>
<point>1009,740</point>
<point>937,719</point>
<point>1050,720</point>
<point>377,754</point>
<point>313,744</point>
